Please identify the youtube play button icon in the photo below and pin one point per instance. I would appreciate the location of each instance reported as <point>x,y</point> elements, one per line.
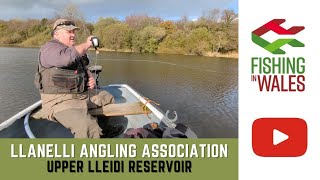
<point>279,137</point>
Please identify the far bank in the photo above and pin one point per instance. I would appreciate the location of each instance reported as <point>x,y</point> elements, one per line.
<point>233,55</point>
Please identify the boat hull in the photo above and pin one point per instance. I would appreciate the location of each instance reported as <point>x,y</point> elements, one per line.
<point>33,127</point>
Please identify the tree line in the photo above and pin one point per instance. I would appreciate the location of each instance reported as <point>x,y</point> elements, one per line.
<point>216,31</point>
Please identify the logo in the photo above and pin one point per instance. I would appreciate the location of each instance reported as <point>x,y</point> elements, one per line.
<point>278,72</point>
<point>279,137</point>
<point>274,47</point>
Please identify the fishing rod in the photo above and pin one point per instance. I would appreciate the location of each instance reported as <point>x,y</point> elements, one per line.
<point>95,44</point>
<point>95,68</point>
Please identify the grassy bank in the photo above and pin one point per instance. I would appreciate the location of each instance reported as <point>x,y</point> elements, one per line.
<point>233,55</point>
<point>216,30</point>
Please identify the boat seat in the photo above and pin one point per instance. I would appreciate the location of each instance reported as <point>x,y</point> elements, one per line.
<point>121,109</point>
<point>109,110</point>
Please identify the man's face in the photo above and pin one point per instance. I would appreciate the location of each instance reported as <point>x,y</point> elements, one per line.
<point>67,37</point>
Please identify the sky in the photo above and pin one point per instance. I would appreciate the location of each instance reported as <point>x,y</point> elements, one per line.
<point>93,9</point>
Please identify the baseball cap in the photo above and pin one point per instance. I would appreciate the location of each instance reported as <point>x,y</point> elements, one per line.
<point>64,24</point>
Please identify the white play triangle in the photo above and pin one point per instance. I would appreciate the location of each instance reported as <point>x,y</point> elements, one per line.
<point>279,137</point>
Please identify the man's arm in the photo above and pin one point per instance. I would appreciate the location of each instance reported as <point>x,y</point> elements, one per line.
<point>55,54</point>
<point>83,48</point>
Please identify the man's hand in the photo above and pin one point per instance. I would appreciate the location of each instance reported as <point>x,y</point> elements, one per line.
<point>91,81</point>
<point>83,48</point>
<point>89,42</point>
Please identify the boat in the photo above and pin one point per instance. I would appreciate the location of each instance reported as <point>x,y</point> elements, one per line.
<point>29,124</point>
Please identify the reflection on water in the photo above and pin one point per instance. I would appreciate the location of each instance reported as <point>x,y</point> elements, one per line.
<point>203,91</point>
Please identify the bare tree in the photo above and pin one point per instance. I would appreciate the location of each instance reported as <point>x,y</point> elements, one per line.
<point>72,12</point>
<point>141,21</point>
<point>213,15</point>
<point>228,16</point>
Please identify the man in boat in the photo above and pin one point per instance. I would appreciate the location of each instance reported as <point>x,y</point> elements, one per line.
<point>67,86</point>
